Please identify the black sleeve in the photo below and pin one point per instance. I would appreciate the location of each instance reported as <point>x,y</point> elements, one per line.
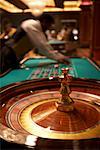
<point>8,59</point>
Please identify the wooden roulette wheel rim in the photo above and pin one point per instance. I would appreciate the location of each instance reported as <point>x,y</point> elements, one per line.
<point>85,88</point>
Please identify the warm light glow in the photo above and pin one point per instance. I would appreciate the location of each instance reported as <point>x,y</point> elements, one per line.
<point>47,2</point>
<point>50,3</point>
<point>36,7</point>
<point>9,7</point>
<point>75,31</point>
<point>52,9</point>
<point>72,5</point>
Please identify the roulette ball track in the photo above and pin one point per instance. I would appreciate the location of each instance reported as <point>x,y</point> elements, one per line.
<point>29,117</point>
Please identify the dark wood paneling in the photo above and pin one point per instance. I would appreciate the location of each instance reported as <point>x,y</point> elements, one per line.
<point>95,42</point>
<point>85,24</point>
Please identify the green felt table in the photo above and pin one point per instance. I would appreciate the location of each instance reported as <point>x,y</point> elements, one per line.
<point>44,68</point>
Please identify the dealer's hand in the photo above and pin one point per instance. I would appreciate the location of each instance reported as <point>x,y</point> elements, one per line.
<point>62,59</point>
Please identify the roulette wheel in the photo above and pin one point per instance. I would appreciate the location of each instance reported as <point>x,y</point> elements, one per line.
<point>29,115</point>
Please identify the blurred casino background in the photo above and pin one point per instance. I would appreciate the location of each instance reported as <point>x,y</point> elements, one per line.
<point>81,15</point>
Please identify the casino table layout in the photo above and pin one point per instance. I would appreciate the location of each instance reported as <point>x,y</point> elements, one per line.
<point>36,68</point>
